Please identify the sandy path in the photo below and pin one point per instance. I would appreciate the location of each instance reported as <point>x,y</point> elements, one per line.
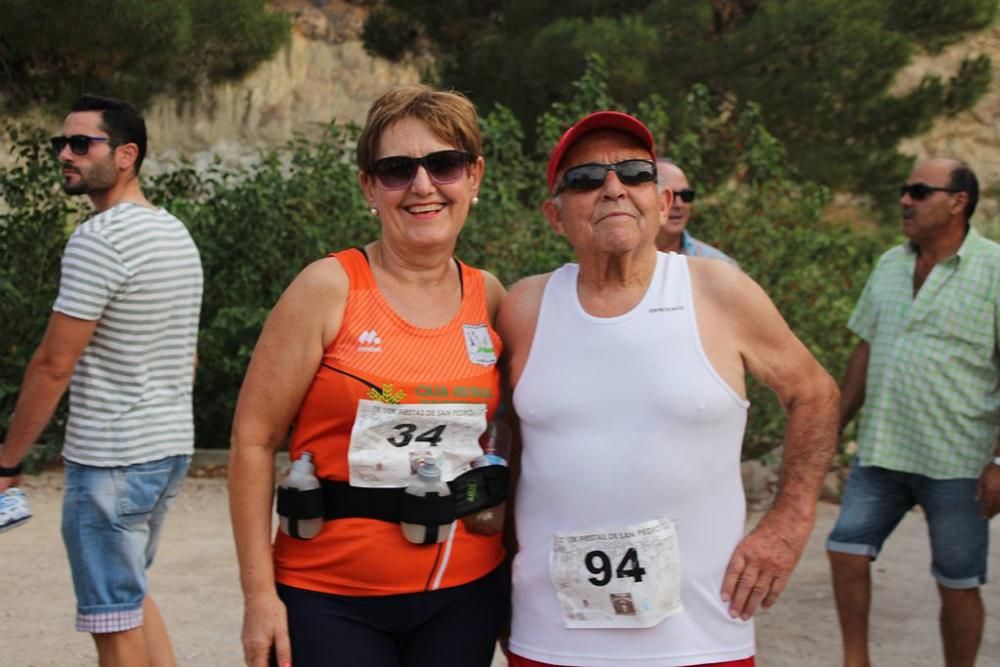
<point>195,583</point>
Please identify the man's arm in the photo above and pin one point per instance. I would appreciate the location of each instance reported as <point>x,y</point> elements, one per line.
<point>762,562</point>
<point>852,385</point>
<point>988,491</point>
<point>45,381</point>
<point>515,322</point>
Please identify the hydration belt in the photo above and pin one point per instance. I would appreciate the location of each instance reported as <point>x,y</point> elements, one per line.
<point>471,492</point>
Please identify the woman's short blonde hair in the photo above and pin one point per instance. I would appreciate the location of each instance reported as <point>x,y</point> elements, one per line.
<point>449,115</point>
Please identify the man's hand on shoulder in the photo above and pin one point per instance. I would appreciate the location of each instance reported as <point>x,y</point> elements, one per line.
<point>762,562</point>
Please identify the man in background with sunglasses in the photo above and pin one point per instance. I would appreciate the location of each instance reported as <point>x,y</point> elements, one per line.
<point>122,337</point>
<point>627,371</point>
<point>928,374</point>
<point>673,235</point>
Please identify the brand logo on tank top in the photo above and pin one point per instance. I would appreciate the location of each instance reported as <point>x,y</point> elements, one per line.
<point>369,341</point>
<point>666,309</point>
<point>479,345</point>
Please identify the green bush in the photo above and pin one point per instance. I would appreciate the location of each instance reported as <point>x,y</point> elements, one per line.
<point>35,222</point>
<point>258,227</point>
<point>256,230</point>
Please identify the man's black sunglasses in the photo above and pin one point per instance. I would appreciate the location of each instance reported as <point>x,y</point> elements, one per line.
<point>398,171</point>
<point>79,144</point>
<point>686,195</point>
<point>919,191</point>
<point>591,176</point>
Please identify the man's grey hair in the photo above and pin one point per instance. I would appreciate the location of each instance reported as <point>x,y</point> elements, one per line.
<point>663,161</point>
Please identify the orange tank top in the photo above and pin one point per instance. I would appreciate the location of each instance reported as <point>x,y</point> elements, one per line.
<point>379,356</point>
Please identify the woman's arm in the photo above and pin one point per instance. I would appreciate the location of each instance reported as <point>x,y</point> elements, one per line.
<point>288,352</point>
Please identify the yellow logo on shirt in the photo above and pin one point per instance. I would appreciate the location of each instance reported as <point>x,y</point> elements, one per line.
<point>387,395</point>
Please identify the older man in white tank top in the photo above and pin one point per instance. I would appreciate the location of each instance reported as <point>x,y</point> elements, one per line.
<point>628,376</point>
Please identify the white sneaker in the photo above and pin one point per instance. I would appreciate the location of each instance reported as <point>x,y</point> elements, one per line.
<point>13,509</point>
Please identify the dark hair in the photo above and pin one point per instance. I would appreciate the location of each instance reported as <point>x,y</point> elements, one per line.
<point>122,121</point>
<point>963,179</point>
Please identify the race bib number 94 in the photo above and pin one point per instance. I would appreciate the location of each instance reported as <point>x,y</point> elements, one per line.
<point>628,577</point>
<point>388,440</point>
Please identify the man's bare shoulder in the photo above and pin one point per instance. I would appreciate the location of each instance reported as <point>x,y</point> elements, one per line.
<point>519,309</point>
<point>733,300</point>
<point>720,280</point>
<point>529,287</point>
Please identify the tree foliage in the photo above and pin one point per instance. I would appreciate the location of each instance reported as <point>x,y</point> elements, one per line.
<point>258,227</point>
<point>820,70</point>
<point>52,51</point>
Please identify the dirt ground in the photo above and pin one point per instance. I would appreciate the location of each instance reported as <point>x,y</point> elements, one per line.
<point>195,583</point>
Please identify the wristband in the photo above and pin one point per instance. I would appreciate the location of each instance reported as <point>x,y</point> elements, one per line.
<point>11,472</point>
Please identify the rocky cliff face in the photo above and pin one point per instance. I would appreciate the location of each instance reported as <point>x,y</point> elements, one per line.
<point>323,75</point>
<point>973,135</point>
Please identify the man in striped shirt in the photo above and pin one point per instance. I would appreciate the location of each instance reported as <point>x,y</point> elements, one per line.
<point>928,373</point>
<point>122,337</point>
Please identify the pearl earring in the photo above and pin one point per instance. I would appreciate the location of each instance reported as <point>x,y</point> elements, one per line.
<point>475,199</point>
<point>373,211</point>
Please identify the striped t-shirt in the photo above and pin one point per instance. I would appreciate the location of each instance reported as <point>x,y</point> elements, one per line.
<point>137,271</point>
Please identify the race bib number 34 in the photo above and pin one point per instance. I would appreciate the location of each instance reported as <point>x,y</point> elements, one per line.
<point>628,577</point>
<point>388,440</point>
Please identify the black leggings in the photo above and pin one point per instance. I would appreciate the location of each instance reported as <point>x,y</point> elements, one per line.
<point>451,627</point>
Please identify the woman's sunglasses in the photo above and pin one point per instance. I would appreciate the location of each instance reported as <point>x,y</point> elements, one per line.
<point>920,191</point>
<point>398,171</point>
<point>592,175</point>
<point>79,144</point>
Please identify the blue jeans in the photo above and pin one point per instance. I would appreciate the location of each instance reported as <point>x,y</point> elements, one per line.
<point>111,526</point>
<point>875,501</point>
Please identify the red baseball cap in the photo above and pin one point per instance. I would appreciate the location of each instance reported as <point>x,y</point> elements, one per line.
<point>599,120</point>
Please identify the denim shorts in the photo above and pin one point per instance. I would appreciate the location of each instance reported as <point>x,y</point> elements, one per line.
<point>875,501</point>
<point>111,525</point>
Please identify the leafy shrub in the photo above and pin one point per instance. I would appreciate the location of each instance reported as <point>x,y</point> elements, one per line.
<point>35,222</point>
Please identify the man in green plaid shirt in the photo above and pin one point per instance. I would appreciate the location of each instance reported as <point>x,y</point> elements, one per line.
<point>927,371</point>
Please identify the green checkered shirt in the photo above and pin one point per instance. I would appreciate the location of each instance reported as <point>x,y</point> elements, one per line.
<point>932,398</point>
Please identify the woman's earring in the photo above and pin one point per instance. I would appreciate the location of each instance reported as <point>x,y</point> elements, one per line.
<point>373,211</point>
<point>475,199</point>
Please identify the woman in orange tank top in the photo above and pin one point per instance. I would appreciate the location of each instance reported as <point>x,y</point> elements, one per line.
<point>380,359</point>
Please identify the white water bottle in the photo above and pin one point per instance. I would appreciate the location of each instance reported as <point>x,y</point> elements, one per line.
<point>301,477</point>
<point>428,482</point>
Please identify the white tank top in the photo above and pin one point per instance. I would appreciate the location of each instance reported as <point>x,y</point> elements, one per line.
<point>625,420</point>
